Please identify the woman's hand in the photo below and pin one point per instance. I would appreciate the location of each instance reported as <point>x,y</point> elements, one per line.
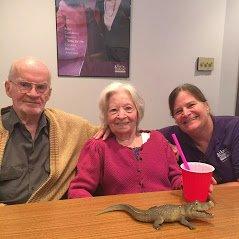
<point>214,182</point>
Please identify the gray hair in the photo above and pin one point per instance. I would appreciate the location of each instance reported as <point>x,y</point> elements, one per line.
<point>113,88</point>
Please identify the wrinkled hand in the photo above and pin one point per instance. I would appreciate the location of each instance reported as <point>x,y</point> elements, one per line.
<point>102,133</point>
<point>175,150</point>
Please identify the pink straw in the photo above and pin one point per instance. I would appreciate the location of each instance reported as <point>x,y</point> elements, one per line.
<point>185,163</point>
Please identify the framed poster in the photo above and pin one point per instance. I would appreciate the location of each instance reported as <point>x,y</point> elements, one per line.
<point>93,37</point>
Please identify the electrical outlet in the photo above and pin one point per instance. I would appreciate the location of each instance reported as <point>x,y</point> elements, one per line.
<point>205,64</point>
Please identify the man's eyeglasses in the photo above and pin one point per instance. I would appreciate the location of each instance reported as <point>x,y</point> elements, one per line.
<point>26,87</point>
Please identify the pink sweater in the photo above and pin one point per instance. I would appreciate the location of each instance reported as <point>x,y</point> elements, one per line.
<point>116,169</point>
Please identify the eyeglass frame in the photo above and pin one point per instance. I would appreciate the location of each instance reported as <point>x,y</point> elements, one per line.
<point>17,84</point>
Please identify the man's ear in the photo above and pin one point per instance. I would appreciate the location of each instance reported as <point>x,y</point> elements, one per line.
<point>8,88</point>
<point>49,94</point>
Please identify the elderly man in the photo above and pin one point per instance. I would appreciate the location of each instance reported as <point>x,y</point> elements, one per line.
<point>38,147</point>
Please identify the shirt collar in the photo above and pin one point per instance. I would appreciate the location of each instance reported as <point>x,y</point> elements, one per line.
<point>43,123</point>
<point>10,120</point>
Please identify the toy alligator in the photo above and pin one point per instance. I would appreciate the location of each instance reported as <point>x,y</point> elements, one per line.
<point>166,213</point>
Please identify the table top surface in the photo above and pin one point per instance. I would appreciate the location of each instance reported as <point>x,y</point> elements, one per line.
<point>77,218</point>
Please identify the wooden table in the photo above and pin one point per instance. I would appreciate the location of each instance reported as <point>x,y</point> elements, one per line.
<point>78,218</point>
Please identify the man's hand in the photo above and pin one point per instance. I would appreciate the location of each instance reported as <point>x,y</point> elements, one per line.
<point>102,133</point>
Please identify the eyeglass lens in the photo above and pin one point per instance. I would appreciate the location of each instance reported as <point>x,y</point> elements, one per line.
<point>27,87</point>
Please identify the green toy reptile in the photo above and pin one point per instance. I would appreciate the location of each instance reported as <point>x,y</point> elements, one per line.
<point>166,213</point>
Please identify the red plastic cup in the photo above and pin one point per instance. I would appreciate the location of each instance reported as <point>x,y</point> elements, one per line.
<point>196,181</point>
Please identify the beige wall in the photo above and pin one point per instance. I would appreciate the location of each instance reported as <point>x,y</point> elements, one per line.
<point>230,60</point>
<point>167,36</point>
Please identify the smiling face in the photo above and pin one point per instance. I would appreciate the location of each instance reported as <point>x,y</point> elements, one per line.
<point>122,116</point>
<point>190,114</point>
<point>30,103</point>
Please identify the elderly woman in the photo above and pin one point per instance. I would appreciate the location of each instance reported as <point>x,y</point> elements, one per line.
<point>203,137</point>
<point>130,160</point>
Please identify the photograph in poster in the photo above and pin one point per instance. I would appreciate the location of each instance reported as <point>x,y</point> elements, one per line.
<point>93,37</point>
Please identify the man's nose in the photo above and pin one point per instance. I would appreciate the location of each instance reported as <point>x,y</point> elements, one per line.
<point>33,91</point>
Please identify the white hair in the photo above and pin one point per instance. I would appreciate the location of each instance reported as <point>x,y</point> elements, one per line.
<point>113,88</point>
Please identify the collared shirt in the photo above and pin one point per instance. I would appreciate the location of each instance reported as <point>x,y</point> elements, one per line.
<point>25,164</point>
<point>222,151</point>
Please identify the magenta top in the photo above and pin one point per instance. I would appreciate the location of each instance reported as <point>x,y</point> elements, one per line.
<point>116,169</point>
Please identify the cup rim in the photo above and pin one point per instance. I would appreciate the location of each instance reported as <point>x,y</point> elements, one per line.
<point>210,167</point>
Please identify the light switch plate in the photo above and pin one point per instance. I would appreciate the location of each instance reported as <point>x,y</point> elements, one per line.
<point>205,64</point>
